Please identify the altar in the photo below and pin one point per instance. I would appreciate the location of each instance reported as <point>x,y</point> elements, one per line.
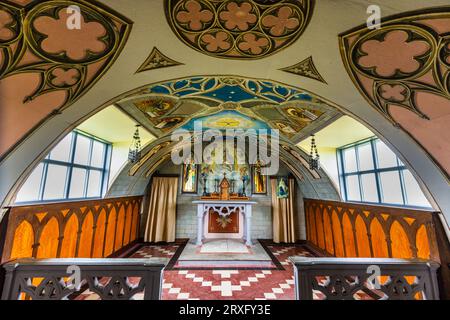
<point>226,211</point>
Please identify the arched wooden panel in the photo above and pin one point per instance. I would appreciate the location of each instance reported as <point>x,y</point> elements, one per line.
<point>69,244</point>
<point>128,224</point>
<point>23,241</point>
<point>312,218</point>
<point>110,231</point>
<point>328,232</point>
<point>362,240</point>
<point>423,243</point>
<point>400,242</point>
<point>119,230</point>
<point>349,240</point>
<point>337,233</point>
<point>99,236</point>
<point>48,241</point>
<point>136,223</point>
<point>320,231</point>
<point>87,232</point>
<point>379,244</point>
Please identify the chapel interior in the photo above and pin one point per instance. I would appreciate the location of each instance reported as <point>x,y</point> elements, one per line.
<point>225,150</point>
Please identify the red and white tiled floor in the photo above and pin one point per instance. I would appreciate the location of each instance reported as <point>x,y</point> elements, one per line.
<point>219,284</point>
<point>233,284</point>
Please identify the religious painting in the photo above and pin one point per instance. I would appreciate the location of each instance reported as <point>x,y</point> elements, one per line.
<point>259,181</point>
<point>302,115</point>
<point>282,188</point>
<point>285,128</point>
<point>154,108</point>
<point>166,124</point>
<point>189,178</point>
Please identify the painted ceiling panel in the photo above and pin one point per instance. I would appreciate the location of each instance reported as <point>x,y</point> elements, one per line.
<point>163,107</point>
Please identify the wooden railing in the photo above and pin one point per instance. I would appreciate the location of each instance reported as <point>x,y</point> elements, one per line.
<point>66,279</point>
<point>79,229</point>
<point>365,279</point>
<point>360,230</point>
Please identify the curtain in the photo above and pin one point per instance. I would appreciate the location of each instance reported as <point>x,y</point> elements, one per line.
<point>283,214</point>
<point>162,210</point>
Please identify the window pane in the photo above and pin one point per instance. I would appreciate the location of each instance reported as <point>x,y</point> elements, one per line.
<point>82,150</point>
<point>55,182</point>
<point>30,189</point>
<point>390,184</point>
<point>365,157</point>
<point>414,194</point>
<point>77,183</point>
<point>353,188</point>
<point>386,158</point>
<point>350,160</point>
<point>98,154</point>
<point>62,150</point>
<point>94,184</point>
<point>369,186</point>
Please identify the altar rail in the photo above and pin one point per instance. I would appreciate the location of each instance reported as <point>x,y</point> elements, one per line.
<point>110,279</point>
<point>352,279</point>
<point>78,229</point>
<point>361,230</point>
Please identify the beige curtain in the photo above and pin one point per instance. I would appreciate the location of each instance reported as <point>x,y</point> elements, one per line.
<point>162,210</point>
<point>283,214</point>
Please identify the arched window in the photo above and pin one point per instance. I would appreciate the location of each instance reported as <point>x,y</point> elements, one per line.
<point>370,172</point>
<point>76,168</point>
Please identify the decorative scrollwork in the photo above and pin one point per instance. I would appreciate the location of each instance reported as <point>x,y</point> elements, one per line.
<point>117,288</point>
<point>405,65</point>
<point>239,29</point>
<point>395,59</point>
<point>51,288</point>
<point>35,39</point>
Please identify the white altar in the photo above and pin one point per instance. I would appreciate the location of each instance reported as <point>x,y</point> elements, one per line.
<point>224,208</point>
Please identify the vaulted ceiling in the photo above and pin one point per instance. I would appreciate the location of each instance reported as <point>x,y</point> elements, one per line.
<point>294,65</point>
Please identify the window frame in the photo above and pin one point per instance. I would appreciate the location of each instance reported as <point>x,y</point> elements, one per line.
<point>71,165</point>
<point>377,171</point>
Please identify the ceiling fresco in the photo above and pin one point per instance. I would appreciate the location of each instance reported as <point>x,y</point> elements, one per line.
<point>238,29</point>
<point>44,66</point>
<point>228,102</point>
<point>403,70</point>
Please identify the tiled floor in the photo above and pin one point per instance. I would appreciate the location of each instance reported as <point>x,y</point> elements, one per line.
<point>232,284</point>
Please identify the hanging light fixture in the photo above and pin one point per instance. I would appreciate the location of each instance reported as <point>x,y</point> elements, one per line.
<point>314,157</point>
<point>134,153</point>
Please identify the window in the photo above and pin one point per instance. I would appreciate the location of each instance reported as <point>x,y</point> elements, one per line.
<point>77,168</point>
<point>370,172</point>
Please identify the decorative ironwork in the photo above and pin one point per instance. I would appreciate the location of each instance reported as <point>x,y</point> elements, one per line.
<point>314,157</point>
<point>110,279</point>
<point>134,153</point>
<point>349,279</point>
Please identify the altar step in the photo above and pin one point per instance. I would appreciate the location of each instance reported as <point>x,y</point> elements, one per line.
<point>224,253</point>
<point>225,264</point>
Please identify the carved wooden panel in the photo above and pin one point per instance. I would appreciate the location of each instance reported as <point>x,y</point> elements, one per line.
<point>110,279</point>
<point>86,229</point>
<point>360,230</point>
